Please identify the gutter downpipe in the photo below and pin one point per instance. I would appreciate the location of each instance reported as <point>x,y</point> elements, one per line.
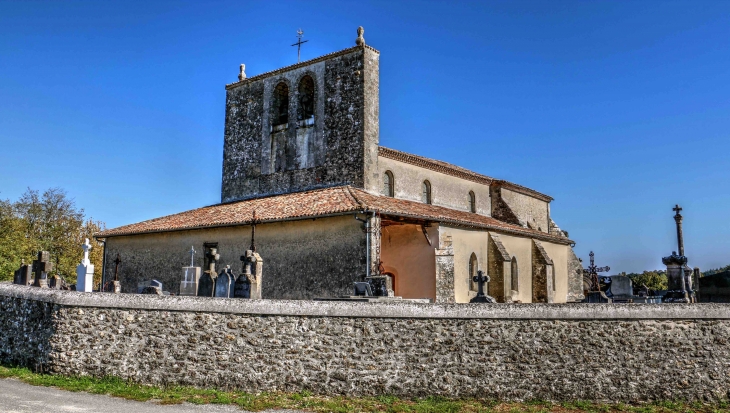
<point>368,226</point>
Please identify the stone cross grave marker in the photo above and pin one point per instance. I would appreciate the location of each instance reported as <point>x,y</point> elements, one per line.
<point>206,286</point>
<point>481,279</point>
<point>41,267</point>
<point>85,271</point>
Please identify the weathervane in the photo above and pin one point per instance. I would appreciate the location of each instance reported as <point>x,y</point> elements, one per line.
<point>299,43</point>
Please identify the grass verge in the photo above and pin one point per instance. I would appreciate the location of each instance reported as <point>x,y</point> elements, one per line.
<point>307,401</point>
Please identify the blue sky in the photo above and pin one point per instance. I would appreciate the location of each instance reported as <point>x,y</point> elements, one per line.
<point>616,109</point>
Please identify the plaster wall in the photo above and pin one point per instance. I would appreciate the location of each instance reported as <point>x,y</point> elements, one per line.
<point>506,352</point>
<point>527,209</point>
<point>302,259</point>
<point>522,249</point>
<point>559,254</point>
<point>466,242</point>
<point>406,253</point>
<point>446,190</point>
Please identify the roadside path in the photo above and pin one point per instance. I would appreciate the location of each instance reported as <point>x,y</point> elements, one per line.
<point>19,397</point>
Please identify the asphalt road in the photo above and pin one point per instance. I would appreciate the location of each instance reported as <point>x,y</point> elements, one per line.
<point>18,397</point>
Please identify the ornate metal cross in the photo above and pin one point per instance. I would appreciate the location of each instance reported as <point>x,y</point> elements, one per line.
<point>254,221</point>
<point>116,262</point>
<point>593,272</point>
<point>299,44</point>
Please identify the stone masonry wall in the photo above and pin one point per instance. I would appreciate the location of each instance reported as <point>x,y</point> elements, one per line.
<point>506,351</point>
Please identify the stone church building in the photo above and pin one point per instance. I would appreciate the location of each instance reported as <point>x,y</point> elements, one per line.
<point>301,151</point>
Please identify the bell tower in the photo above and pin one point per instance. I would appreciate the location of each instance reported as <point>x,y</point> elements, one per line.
<point>310,125</point>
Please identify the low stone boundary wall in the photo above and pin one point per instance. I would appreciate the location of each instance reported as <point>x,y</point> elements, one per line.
<point>624,352</point>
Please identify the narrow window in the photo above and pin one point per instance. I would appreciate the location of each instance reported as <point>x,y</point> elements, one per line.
<point>472,202</point>
<point>426,192</point>
<point>515,274</point>
<point>280,115</point>
<point>306,98</point>
<point>388,184</point>
<point>473,267</point>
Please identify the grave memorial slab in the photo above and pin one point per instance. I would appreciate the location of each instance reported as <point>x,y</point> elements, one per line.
<point>248,284</point>
<point>190,277</point>
<point>24,275</point>
<point>41,267</point>
<point>224,283</point>
<point>85,271</point>
<point>206,285</point>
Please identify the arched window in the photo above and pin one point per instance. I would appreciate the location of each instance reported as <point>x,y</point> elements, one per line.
<point>306,98</point>
<point>280,112</point>
<point>515,274</point>
<point>472,202</point>
<point>388,184</point>
<point>473,267</point>
<point>426,192</point>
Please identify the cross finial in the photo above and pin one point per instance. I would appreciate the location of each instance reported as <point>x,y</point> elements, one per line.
<point>677,209</point>
<point>299,43</point>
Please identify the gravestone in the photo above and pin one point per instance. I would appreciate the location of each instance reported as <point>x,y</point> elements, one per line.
<point>85,271</point>
<point>621,289</point>
<point>190,277</point>
<point>481,279</point>
<point>206,284</point>
<point>224,283</point>
<point>24,275</point>
<point>56,282</point>
<point>41,267</point>
<point>189,281</point>
<point>248,284</point>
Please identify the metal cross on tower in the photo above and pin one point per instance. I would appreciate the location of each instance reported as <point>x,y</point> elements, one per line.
<point>593,272</point>
<point>299,43</point>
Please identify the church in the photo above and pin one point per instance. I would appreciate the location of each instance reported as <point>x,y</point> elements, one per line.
<point>302,162</point>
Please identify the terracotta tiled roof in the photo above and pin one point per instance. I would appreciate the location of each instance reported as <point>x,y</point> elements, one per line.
<point>457,171</point>
<point>316,203</point>
<point>434,165</point>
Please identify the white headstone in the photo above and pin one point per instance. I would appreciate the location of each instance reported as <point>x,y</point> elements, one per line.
<point>85,271</point>
<point>189,281</point>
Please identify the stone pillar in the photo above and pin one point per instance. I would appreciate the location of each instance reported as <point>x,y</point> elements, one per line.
<point>676,279</point>
<point>445,270</point>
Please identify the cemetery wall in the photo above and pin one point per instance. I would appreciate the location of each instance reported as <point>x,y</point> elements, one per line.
<point>302,259</point>
<point>625,353</point>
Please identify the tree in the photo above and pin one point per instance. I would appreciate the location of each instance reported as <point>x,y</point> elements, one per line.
<point>654,280</point>
<point>49,222</point>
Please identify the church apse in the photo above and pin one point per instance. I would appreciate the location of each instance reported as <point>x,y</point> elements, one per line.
<point>306,126</point>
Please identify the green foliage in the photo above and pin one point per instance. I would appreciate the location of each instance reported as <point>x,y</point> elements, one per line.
<point>716,270</point>
<point>48,222</point>
<point>654,280</point>
<point>307,401</point>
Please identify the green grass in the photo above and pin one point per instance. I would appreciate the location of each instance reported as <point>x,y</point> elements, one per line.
<point>307,401</point>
